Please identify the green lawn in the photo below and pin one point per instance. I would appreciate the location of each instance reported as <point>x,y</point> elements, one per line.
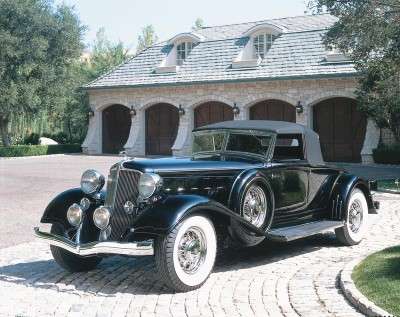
<point>378,278</point>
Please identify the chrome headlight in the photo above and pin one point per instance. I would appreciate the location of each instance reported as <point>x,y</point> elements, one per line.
<point>92,181</point>
<point>101,217</point>
<point>74,215</point>
<point>149,183</point>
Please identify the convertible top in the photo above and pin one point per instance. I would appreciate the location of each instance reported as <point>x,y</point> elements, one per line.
<point>312,148</point>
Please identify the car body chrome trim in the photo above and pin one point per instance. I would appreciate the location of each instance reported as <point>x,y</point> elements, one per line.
<point>141,248</point>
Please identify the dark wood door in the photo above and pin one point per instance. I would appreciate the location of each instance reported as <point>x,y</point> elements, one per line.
<point>273,110</point>
<point>341,128</point>
<point>162,121</point>
<point>116,127</point>
<point>212,112</point>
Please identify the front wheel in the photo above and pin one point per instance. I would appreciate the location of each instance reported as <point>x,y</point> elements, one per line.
<point>185,256</point>
<point>69,261</point>
<point>356,220</point>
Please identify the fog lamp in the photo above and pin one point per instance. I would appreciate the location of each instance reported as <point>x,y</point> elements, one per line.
<point>74,215</point>
<point>101,217</point>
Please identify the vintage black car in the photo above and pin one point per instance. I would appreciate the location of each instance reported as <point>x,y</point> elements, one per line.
<point>246,180</point>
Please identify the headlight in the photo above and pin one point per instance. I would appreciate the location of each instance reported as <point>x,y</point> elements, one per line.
<point>101,217</point>
<point>91,182</point>
<point>148,184</point>
<point>74,215</point>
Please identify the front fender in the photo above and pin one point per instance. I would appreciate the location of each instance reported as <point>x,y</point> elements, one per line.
<point>163,216</point>
<point>341,191</point>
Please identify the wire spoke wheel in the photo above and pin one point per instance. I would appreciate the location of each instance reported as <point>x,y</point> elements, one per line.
<point>192,250</point>
<point>255,206</point>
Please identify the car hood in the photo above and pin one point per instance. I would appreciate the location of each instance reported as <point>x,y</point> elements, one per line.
<point>187,164</point>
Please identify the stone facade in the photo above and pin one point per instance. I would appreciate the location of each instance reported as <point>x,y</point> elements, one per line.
<point>244,94</point>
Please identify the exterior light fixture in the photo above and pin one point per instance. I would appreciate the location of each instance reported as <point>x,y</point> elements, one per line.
<point>235,109</point>
<point>299,107</point>
<point>132,112</point>
<point>91,113</point>
<point>181,110</point>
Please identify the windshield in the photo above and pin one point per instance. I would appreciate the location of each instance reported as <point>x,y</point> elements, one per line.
<point>249,142</point>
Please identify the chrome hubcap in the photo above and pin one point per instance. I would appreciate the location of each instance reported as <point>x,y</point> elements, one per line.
<point>192,250</point>
<point>255,206</point>
<point>355,216</point>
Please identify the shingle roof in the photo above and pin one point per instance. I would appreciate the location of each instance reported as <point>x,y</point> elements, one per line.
<point>297,53</point>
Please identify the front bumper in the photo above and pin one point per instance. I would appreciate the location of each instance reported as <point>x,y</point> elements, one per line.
<point>126,248</point>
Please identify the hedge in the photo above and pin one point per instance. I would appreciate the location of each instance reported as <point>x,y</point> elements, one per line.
<point>35,150</point>
<point>387,154</point>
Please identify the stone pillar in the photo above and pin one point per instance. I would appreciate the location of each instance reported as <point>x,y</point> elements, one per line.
<point>302,118</point>
<point>243,114</point>
<point>136,144</point>
<point>370,142</point>
<point>183,141</point>
<point>93,141</point>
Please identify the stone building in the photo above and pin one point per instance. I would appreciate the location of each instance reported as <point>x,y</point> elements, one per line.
<point>274,69</point>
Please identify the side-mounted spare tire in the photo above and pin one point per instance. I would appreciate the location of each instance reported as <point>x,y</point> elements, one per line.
<point>256,205</point>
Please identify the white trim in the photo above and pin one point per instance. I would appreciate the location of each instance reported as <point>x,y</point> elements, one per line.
<point>186,37</point>
<point>265,27</point>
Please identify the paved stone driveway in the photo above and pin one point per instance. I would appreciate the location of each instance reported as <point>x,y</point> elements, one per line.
<point>296,279</point>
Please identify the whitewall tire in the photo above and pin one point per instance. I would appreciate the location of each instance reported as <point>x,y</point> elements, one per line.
<point>185,256</point>
<point>356,224</point>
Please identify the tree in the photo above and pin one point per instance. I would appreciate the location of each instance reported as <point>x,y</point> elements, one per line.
<point>38,46</point>
<point>198,24</point>
<point>147,38</point>
<point>369,32</point>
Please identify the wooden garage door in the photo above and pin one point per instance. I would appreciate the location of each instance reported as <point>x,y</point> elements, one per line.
<point>273,110</point>
<point>115,128</point>
<point>341,128</point>
<point>212,112</point>
<point>162,122</point>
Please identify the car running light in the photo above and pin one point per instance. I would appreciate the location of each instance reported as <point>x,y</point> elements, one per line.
<point>74,215</point>
<point>101,217</point>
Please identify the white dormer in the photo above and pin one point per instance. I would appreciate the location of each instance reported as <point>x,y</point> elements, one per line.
<point>334,55</point>
<point>182,44</point>
<point>261,38</point>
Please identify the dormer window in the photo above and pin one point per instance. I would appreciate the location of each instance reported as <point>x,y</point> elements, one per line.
<point>182,51</point>
<point>259,41</point>
<point>262,44</point>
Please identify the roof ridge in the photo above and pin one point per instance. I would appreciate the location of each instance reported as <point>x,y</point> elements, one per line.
<point>258,21</point>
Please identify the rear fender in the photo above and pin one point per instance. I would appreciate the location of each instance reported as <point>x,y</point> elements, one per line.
<point>160,218</point>
<point>341,192</point>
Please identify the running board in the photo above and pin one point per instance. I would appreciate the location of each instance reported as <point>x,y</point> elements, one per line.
<point>304,230</point>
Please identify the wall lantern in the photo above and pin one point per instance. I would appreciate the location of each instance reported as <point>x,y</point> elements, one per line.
<point>299,107</point>
<point>235,109</point>
<point>91,113</point>
<point>132,112</point>
<point>181,110</point>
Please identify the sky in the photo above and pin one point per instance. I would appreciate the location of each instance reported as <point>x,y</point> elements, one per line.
<point>124,19</point>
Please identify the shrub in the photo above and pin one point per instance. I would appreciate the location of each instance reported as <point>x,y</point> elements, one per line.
<point>387,154</point>
<point>35,150</point>
<point>32,139</point>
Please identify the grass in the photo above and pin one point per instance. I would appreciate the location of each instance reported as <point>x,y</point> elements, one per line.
<point>378,278</point>
<point>389,184</point>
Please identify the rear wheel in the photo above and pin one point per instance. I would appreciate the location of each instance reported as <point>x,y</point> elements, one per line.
<point>356,220</point>
<point>185,257</point>
<point>69,261</point>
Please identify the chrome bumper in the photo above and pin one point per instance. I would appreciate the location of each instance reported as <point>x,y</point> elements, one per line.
<point>92,248</point>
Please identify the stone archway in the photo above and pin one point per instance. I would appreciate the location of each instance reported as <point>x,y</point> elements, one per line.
<point>273,109</point>
<point>341,128</point>
<point>116,124</point>
<point>212,112</point>
<point>162,121</point>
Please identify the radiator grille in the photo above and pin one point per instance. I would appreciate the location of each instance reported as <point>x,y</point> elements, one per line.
<point>122,186</point>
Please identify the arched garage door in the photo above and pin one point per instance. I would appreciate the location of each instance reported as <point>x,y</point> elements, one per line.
<point>341,128</point>
<point>162,122</point>
<point>115,128</point>
<point>273,110</point>
<point>212,112</point>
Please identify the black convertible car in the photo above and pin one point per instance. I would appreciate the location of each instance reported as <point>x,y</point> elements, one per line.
<point>246,180</point>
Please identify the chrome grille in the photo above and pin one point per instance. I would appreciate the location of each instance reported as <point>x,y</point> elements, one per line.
<point>123,186</point>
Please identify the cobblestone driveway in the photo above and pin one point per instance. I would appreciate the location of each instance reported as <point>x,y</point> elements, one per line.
<point>293,279</point>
